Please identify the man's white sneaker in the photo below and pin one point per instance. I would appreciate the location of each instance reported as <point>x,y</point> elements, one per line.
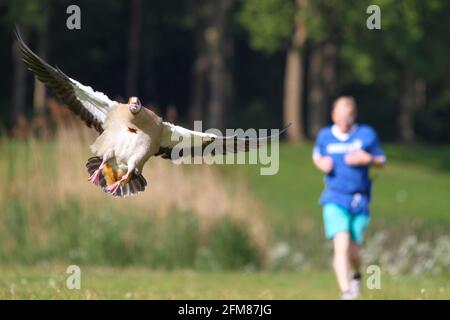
<point>355,285</point>
<point>348,295</point>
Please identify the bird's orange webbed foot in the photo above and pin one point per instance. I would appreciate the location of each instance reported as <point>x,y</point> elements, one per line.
<point>95,177</point>
<point>113,187</point>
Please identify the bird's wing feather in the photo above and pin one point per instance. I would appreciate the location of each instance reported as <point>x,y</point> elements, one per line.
<point>90,105</point>
<point>172,135</point>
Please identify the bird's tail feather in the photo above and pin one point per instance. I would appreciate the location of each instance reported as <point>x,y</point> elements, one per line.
<point>136,184</point>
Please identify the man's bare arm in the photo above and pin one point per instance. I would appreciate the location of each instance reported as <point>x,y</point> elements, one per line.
<point>363,158</point>
<point>324,164</point>
<point>378,161</point>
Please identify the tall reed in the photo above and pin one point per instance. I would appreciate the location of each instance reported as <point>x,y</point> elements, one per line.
<point>45,199</point>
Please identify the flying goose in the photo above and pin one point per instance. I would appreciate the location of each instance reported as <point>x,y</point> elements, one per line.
<point>129,133</point>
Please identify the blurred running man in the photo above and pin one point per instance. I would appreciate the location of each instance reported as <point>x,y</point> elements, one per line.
<point>344,152</point>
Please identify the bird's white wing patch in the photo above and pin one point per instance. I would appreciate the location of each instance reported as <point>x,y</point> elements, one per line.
<point>97,103</point>
<point>172,134</point>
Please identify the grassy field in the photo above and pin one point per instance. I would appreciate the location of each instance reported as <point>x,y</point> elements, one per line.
<point>413,186</point>
<point>410,208</point>
<point>140,283</point>
<point>236,235</point>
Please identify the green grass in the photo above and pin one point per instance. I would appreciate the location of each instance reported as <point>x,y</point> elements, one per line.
<point>413,186</point>
<point>410,195</point>
<point>148,259</point>
<point>139,283</point>
<point>410,198</point>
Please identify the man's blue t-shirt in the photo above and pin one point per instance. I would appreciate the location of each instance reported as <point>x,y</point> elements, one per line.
<point>348,186</point>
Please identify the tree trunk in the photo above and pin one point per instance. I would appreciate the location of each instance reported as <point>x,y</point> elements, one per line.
<point>316,92</point>
<point>134,47</point>
<point>200,67</point>
<point>329,53</point>
<point>322,81</point>
<point>293,81</point>
<point>199,74</point>
<point>19,84</point>
<point>39,94</point>
<point>217,40</point>
<point>407,107</point>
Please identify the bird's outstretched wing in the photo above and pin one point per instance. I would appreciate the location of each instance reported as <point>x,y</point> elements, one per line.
<point>195,142</point>
<point>90,105</point>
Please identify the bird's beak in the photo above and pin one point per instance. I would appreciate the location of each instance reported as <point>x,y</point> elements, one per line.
<point>134,108</point>
<point>134,105</point>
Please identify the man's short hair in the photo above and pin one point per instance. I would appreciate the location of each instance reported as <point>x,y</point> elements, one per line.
<point>348,100</point>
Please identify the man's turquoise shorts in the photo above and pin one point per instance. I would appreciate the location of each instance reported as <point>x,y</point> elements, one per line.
<point>337,219</point>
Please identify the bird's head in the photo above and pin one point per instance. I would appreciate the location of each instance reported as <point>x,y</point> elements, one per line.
<point>134,105</point>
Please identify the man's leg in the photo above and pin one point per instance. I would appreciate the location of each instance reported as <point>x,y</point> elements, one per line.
<point>355,257</point>
<point>358,227</point>
<point>341,259</point>
<point>355,262</point>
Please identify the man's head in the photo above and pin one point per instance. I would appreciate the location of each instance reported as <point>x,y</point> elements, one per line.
<point>344,113</point>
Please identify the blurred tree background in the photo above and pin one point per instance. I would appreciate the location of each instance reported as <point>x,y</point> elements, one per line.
<point>242,63</point>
